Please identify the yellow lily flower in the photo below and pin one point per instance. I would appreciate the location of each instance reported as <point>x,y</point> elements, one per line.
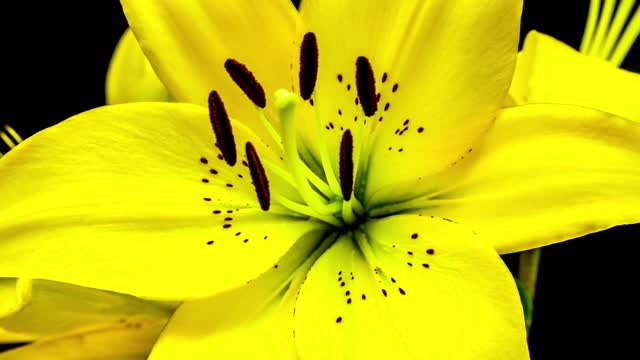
<point>549,71</point>
<point>360,218</point>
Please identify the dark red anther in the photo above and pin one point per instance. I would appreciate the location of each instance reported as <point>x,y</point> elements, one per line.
<point>308,65</point>
<point>222,128</point>
<point>366,86</point>
<point>258,176</point>
<point>246,82</point>
<point>346,165</point>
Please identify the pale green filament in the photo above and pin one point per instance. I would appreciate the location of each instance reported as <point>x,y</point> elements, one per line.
<point>603,26</point>
<point>592,19</point>
<point>286,176</point>
<point>311,176</point>
<point>269,127</point>
<point>347,212</point>
<point>307,211</point>
<point>626,41</point>
<point>357,206</point>
<point>360,158</point>
<point>319,198</point>
<point>318,183</point>
<point>286,102</point>
<point>324,154</point>
<point>622,14</point>
<point>358,142</point>
<point>278,171</point>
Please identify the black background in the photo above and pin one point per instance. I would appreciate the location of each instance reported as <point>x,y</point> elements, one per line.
<point>53,61</point>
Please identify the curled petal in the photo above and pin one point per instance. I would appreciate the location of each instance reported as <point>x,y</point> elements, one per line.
<point>549,71</point>
<point>130,339</point>
<point>33,309</point>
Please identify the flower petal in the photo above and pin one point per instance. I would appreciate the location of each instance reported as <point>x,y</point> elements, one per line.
<point>549,71</point>
<point>135,198</point>
<point>442,70</point>
<point>130,339</point>
<point>188,42</point>
<point>130,77</point>
<point>39,308</point>
<point>423,288</point>
<point>544,174</point>
<point>260,312</point>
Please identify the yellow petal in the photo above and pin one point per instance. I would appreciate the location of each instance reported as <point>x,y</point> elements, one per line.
<point>130,77</point>
<point>443,67</point>
<point>130,339</point>
<point>549,71</point>
<point>188,42</point>
<point>133,198</point>
<point>259,312</point>
<point>32,309</point>
<point>422,288</point>
<point>544,174</point>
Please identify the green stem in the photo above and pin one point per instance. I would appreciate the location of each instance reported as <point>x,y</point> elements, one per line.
<point>528,272</point>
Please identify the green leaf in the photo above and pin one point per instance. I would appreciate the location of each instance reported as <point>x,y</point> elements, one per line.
<point>527,303</point>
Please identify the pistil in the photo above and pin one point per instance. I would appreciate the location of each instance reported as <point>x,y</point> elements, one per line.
<point>286,102</point>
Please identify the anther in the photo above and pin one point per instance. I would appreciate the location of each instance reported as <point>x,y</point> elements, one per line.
<point>258,176</point>
<point>346,165</point>
<point>308,65</point>
<point>222,128</point>
<point>366,86</point>
<point>246,82</point>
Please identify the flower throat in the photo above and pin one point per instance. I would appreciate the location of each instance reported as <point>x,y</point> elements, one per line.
<point>327,196</point>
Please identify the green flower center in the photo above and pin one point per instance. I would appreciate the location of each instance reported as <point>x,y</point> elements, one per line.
<point>327,196</point>
<point>331,197</point>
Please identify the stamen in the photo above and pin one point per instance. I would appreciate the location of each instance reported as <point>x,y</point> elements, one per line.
<point>589,29</point>
<point>324,154</point>
<point>622,15</point>
<point>366,86</point>
<point>346,165</point>
<point>222,128</point>
<point>269,127</point>
<point>307,211</point>
<point>279,172</point>
<point>603,26</point>
<point>7,140</point>
<point>246,82</point>
<point>308,65</point>
<point>286,102</point>
<point>258,176</point>
<point>13,133</point>
<point>626,41</point>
